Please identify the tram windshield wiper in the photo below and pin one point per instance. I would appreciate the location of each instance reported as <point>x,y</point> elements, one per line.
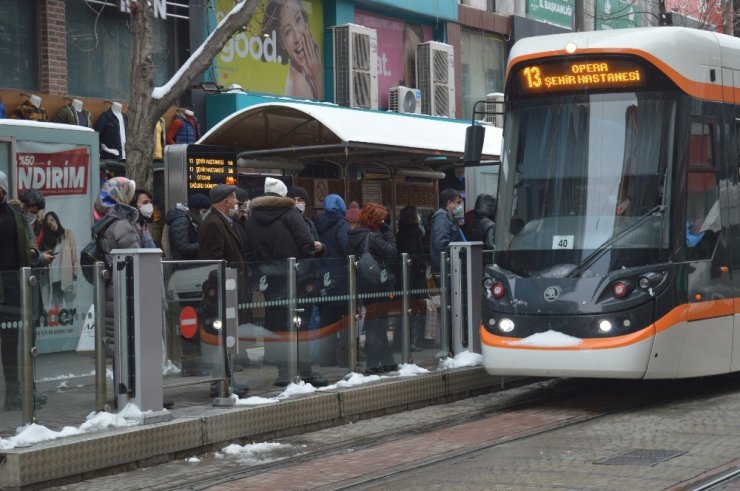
<point>599,251</point>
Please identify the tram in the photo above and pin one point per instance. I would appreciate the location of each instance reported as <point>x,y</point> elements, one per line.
<point>618,224</point>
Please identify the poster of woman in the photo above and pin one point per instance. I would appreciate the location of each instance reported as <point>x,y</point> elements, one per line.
<point>280,52</point>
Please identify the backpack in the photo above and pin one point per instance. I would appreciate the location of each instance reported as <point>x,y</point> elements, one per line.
<point>92,252</point>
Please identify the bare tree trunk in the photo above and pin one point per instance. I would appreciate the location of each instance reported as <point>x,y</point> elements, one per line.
<point>141,118</point>
<point>144,108</point>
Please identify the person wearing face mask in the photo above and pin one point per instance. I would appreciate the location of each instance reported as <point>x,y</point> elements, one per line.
<point>409,241</point>
<point>33,202</point>
<point>444,226</point>
<point>218,235</point>
<point>143,201</point>
<point>16,251</point>
<point>180,237</point>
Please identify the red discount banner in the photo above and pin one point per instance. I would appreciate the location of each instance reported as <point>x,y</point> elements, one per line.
<point>62,173</point>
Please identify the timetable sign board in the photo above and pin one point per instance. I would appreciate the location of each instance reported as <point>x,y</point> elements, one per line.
<point>208,166</point>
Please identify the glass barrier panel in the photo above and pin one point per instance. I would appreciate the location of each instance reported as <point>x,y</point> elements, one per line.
<point>263,349</point>
<point>10,302</point>
<point>323,356</point>
<point>424,302</point>
<point>64,335</point>
<point>194,355</point>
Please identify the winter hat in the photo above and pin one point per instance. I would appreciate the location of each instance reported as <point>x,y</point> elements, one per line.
<point>333,203</point>
<point>275,187</point>
<point>298,192</point>
<point>221,192</point>
<point>4,182</point>
<point>199,202</point>
<point>117,190</point>
<point>353,212</point>
<point>242,195</point>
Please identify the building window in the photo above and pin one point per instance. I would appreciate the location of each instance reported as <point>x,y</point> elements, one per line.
<point>19,44</point>
<point>483,64</point>
<point>98,50</point>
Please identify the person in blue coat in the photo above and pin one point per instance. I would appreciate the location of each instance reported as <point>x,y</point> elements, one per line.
<point>333,227</point>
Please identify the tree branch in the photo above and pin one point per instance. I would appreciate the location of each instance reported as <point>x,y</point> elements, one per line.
<point>235,21</point>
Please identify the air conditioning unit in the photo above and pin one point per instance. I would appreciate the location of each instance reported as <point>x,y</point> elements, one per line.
<point>494,109</point>
<point>356,66</point>
<point>476,4</point>
<point>435,77</point>
<point>404,100</point>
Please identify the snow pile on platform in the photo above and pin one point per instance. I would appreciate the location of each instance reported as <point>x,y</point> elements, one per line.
<point>463,359</point>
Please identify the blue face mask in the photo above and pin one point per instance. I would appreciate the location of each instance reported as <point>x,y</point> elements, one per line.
<point>459,210</point>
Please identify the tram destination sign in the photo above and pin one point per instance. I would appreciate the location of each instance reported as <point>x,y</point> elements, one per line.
<point>208,166</point>
<point>569,75</point>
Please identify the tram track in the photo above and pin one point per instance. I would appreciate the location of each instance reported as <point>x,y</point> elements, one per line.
<point>587,400</point>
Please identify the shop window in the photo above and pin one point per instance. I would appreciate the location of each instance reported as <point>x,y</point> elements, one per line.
<point>19,44</point>
<point>483,62</point>
<point>99,46</point>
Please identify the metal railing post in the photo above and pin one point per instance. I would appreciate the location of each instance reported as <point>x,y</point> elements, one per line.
<point>293,319</point>
<point>444,303</point>
<point>27,350</point>
<point>405,310</point>
<point>100,275</point>
<point>353,340</point>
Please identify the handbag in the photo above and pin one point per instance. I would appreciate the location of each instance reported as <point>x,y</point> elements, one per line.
<point>374,275</point>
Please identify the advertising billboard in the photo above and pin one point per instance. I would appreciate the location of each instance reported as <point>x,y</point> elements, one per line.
<point>61,172</point>
<point>280,52</point>
<point>397,42</point>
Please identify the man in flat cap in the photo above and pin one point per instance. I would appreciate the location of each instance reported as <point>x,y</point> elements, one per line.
<point>219,238</point>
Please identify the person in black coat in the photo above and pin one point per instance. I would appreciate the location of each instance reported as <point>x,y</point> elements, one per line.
<point>381,244</point>
<point>182,226</point>
<point>410,241</point>
<point>333,227</point>
<point>275,232</point>
<point>482,227</point>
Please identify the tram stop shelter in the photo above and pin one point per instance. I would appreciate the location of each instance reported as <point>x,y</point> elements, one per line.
<point>299,132</point>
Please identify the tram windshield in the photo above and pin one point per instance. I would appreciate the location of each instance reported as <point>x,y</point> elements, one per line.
<point>581,179</point>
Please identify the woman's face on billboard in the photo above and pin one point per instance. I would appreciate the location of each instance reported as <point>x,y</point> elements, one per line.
<point>293,29</point>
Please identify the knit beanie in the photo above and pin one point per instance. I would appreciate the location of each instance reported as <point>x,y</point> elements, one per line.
<point>298,192</point>
<point>276,187</point>
<point>199,202</point>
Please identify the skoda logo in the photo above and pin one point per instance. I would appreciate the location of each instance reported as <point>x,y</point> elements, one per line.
<point>552,293</point>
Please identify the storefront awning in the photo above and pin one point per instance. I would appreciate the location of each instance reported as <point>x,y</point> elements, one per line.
<point>299,132</point>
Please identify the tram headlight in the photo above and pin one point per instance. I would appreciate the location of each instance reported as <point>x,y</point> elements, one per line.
<point>605,326</point>
<point>621,288</point>
<point>506,325</point>
<point>649,280</point>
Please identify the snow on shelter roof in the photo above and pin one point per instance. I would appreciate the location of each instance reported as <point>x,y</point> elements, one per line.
<point>306,130</point>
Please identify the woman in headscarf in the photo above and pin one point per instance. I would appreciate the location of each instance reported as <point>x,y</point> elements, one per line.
<point>113,201</point>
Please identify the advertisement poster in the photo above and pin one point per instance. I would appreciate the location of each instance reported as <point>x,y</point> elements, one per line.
<point>61,172</point>
<point>280,52</point>
<point>397,42</point>
<point>617,14</point>
<point>556,12</point>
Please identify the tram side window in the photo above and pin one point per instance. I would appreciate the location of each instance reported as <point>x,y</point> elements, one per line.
<point>702,192</point>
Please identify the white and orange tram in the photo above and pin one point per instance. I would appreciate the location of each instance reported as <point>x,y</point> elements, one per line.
<point>618,224</point>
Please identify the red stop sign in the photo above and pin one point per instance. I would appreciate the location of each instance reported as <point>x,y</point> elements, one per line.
<point>188,322</point>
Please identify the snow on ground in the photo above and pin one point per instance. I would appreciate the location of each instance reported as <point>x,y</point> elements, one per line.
<point>131,415</point>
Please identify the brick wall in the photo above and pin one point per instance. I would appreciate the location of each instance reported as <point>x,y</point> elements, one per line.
<point>53,47</point>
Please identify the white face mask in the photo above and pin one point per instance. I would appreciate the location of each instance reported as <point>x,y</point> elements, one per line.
<point>301,207</point>
<point>204,213</point>
<point>147,210</point>
<point>234,211</point>
<point>30,217</point>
